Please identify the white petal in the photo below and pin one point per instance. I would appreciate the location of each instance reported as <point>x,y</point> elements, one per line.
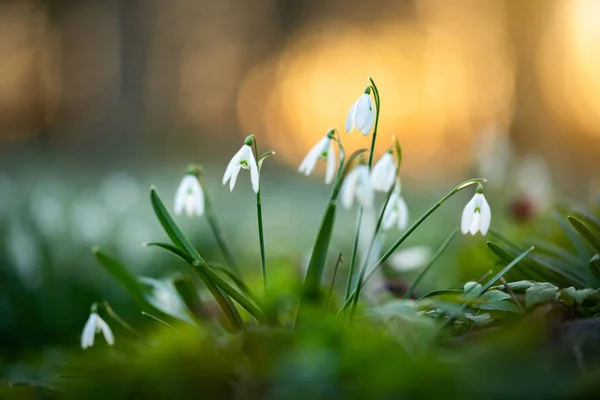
<point>383,173</point>
<point>181,194</point>
<point>467,216</point>
<point>402,214</point>
<point>390,214</point>
<point>486,217</point>
<point>108,335</point>
<point>364,191</point>
<point>234,163</point>
<point>245,153</point>
<point>389,218</point>
<point>308,164</point>
<point>89,330</point>
<point>199,203</point>
<point>364,114</point>
<point>191,204</point>
<point>350,125</point>
<point>234,174</point>
<point>475,223</point>
<point>410,258</point>
<point>253,172</point>
<point>329,175</point>
<point>348,189</point>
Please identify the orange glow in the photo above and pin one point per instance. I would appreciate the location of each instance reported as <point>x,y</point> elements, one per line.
<point>440,82</point>
<point>569,64</point>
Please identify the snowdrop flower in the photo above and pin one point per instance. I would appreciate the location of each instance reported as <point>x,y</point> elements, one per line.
<point>383,173</point>
<point>189,196</point>
<point>324,150</point>
<point>93,326</point>
<point>396,211</point>
<point>410,258</point>
<point>244,158</point>
<point>361,115</point>
<point>476,216</point>
<point>357,185</point>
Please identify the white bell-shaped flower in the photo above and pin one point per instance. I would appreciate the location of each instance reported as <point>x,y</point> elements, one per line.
<point>93,326</point>
<point>323,150</point>
<point>361,115</point>
<point>396,211</point>
<point>383,173</point>
<point>476,215</point>
<point>244,158</point>
<point>189,197</point>
<point>357,185</point>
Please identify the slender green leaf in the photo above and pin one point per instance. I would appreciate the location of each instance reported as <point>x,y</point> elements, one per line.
<point>238,282</point>
<point>579,295</point>
<point>503,305</point>
<point>574,238</point>
<point>595,266</point>
<point>540,292</point>
<point>441,293</point>
<point>190,296</point>
<point>173,249</point>
<point>311,290</point>
<point>585,233</point>
<point>505,270</point>
<point>119,271</point>
<point>180,241</point>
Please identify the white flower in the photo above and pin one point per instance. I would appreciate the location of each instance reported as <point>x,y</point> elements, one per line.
<point>361,115</point>
<point>244,158</point>
<point>476,216</point>
<point>93,326</point>
<point>357,185</point>
<point>189,197</point>
<point>396,211</point>
<point>324,150</point>
<point>410,258</point>
<point>383,173</point>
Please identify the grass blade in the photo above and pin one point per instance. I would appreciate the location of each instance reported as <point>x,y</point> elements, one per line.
<point>181,242</point>
<point>585,233</point>
<point>189,295</point>
<point>119,272</point>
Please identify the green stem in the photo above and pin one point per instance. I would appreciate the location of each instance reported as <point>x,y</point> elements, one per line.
<point>363,268</point>
<point>431,262</point>
<point>160,321</point>
<point>408,232</point>
<point>261,238</point>
<point>335,269</point>
<point>488,285</point>
<point>218,232</point>
<point>351,277</point>
<point>111,313</point>
<point>377,104</point>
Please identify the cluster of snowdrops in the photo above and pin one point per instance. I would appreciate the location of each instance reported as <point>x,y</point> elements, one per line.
<point>355,179</point>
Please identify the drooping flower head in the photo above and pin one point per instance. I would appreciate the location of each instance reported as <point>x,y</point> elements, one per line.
<point>361,115</point>
<point>93,326</point>
<point>396,211</point>
<point>323,150</point>
<point>243,159</point>
<point>189,196</point>
<point>383,173</point>
<point>476,216</point>
<point>357,185</point>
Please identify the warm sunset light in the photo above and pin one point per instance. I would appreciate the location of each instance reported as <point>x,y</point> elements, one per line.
<point>442,82</point>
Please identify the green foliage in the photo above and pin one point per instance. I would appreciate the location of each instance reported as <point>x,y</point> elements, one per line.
<point>537,293</point>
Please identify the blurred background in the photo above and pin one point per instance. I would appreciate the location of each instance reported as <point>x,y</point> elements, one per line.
<point>99,100</point>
